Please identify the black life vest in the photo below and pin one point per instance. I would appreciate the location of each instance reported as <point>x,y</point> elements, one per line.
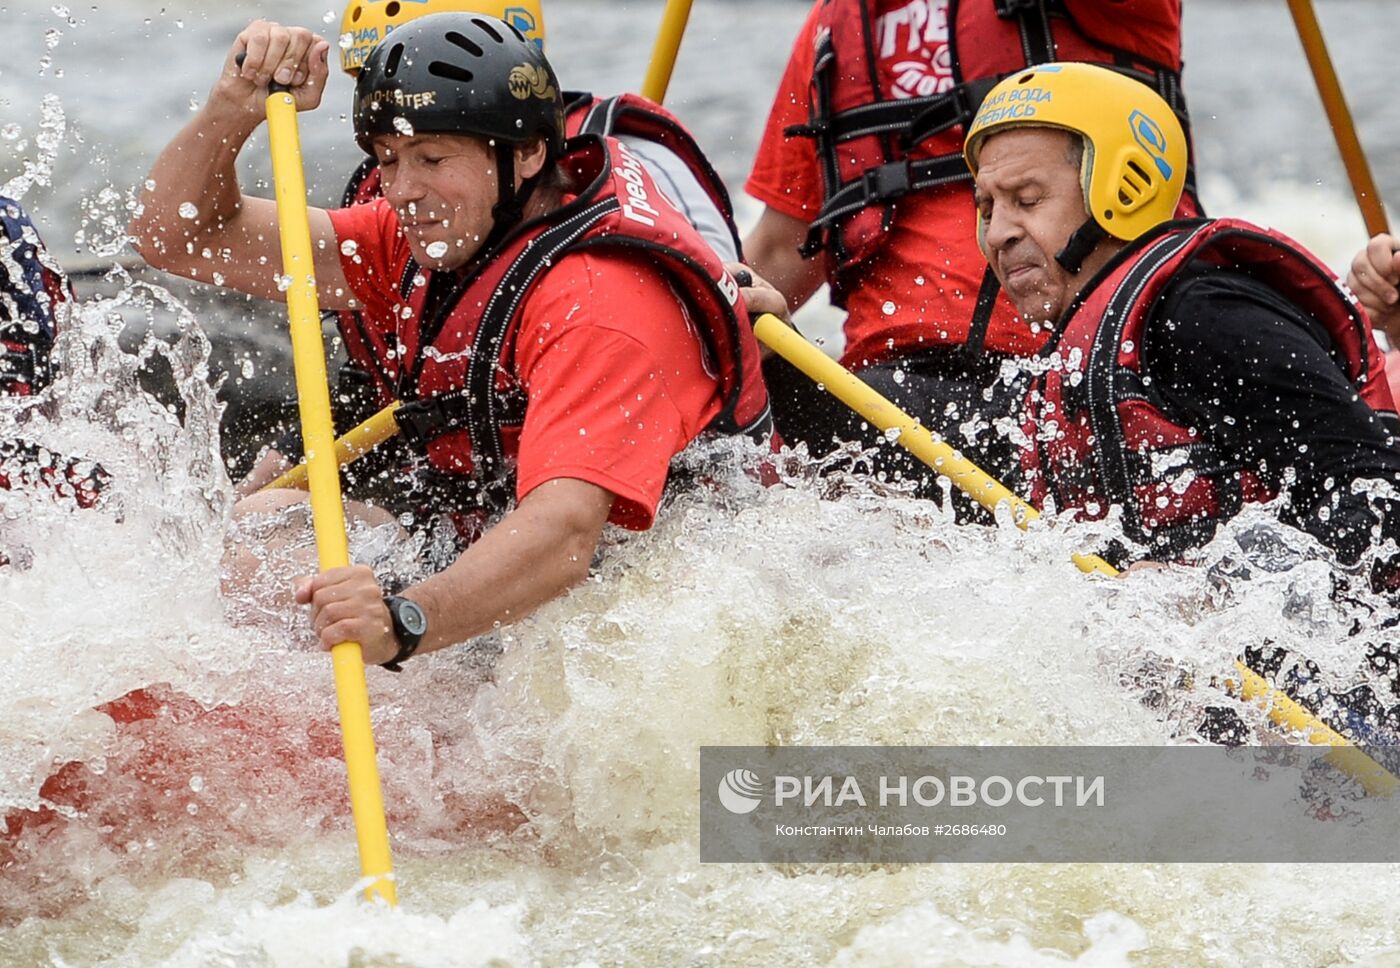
<point>455,371</point>
<point>1098,436</point>
<point>872,151</point>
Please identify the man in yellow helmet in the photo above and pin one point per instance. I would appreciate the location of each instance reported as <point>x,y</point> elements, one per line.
<point>1192,365</point>
<point>861,174</point>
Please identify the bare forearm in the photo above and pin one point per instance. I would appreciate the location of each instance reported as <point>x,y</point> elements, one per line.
<point>772,249</point>
<point>537,552</point>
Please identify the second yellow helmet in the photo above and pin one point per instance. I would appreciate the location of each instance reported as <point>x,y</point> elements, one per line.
<point>367,22</point>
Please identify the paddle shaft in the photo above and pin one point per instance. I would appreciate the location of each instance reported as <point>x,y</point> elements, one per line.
<point>349,448</point>
<point>327,509</point>
<point>1363,186</point>
<point>988,492</point>
<point>913,437</point>
<point>663,54</point>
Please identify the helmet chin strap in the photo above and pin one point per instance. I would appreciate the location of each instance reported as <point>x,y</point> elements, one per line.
<point>509,210</point>
<point>1080,245</point>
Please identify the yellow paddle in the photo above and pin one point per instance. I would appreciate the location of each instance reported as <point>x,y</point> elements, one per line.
<point>668,45</point>
<point>349,448</point>
<point>1363,186</point>
<point>327,511</point>
<point>988,492</point>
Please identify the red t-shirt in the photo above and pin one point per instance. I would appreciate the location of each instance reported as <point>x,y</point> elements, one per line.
<point>614,369</point>
<point>930,269</point>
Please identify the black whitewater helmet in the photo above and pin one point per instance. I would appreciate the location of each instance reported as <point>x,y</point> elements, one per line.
<point>463,73</point>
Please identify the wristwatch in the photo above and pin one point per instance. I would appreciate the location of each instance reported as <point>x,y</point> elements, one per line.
<point>410,625</point>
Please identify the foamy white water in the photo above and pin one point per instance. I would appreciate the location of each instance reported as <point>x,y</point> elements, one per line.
<point>216,832</point>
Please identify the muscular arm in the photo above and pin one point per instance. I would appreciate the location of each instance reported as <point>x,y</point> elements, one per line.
<point>1252,372</point>
<point>772,250</point>
<point>225,231</point>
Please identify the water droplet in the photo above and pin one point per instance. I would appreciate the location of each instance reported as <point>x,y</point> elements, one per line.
<point>403,127</point>
<point>349,247</point>
<point>889,307</point>
<point>437,249</point>
<point>898,376</point>
<point>347,40</point>
<point>51,37</point>
<point>246,369</point>
<point>284,283</point>
<point>11,132</point>
<point>197,783</point>
<point>188,210</point>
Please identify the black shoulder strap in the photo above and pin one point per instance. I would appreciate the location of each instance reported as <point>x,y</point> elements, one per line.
<point>1033,19</point>
<point>1105,379</point>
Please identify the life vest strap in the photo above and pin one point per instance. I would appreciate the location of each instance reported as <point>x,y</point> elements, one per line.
<point>882,184</point>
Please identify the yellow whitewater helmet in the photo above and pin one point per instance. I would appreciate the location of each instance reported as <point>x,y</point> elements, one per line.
<point>1134,166</point>
<point>367,22</point>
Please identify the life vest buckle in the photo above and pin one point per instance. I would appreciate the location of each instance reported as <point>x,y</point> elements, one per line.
<point>422,421</point>
<point>889,181</point>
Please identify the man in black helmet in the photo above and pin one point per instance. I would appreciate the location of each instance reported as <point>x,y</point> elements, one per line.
<point>555,329</point>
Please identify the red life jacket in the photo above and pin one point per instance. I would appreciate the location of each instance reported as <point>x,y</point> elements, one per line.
<point>1098,435</point>
<point>628,115</point>
<point>461,397</point>
<point>872,151</point>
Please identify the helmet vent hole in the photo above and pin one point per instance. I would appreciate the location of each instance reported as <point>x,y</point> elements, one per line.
<point>450,71</point>
<point>487,27</point>
<point>1143,175</point>
<point>355,15</point>
<point>391,63</point>
<point>518,34</point>
<point>391,9</point>
<point>466,43</point>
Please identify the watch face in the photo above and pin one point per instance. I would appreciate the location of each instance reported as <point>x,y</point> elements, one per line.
<point>412,617</point>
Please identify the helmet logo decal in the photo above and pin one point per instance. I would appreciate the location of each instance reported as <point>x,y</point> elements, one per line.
<point>1149,135</point>
<point>527,81</point>
<point>1017,103</point>
<point>403,99</point>
<point>524,21</point>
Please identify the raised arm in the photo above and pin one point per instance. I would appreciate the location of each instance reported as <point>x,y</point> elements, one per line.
<point>194,219</point>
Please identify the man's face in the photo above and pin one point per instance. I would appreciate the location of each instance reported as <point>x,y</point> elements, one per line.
<point>443,187</point>
<point>1030,201</point>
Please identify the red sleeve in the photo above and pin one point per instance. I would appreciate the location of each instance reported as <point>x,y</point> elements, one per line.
<point>785,173</point>
<point>617,381</point>
<point>373,253</point>
<point>1150,28</point>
